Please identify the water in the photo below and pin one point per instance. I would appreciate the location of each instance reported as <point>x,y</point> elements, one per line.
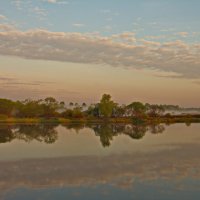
<point>40,162</point>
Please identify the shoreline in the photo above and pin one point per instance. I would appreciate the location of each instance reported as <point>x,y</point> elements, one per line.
<point>153,120</point>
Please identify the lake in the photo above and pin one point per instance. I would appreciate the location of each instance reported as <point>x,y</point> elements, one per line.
<point>99,161</point>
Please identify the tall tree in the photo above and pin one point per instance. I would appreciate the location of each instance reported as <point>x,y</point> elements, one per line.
<point>106,106</point>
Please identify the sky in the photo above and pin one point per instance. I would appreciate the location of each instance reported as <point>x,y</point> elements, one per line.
<point>77,50</point>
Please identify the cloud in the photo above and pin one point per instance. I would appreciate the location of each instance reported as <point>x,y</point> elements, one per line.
<point>78,25</point>
<point>2,17</point>
<point>39,11</point>
<point>156,37</point>
<point>106,11</point>
<point>107,28</point>
<point>56,2</point>
<point>182,34</point>
<point>15,88</point>
<point>51,1</point>
<point>17,4</point>
<point>21,83</point>
<point>6,27</point>
<point>11,81</point>
<point>123,50</point>
<point>29,7</point>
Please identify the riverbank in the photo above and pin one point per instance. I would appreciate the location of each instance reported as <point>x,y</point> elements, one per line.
<point>148,120</point>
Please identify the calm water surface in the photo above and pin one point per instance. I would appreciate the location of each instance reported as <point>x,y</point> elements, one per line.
<point>103,161</point>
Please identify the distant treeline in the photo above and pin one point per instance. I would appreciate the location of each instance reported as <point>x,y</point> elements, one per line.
<point>106,108</point>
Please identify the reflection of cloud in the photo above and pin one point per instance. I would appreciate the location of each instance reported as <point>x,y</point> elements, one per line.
<point>129,52</point>
<point>196,82</point>
<point>119,170</point>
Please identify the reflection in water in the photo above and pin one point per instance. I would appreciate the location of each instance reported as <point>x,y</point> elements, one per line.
<point>107,131</point>
<point>6,134</point>
<point>173,171</point>
<point>166,173</point>
<point>39,132</point>
<point>47,132</point>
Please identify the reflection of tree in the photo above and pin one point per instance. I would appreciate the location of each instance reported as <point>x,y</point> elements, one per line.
<point>106,133</point>
<point>188,123</point>
<point>47,133</point>
<point>40,132</point>
<point>76,126</point>
<point>155,129</point>
<point>6,134</point>
<point>135,131</point>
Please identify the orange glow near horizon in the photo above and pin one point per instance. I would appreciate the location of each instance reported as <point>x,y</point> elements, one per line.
<point>87,82</point>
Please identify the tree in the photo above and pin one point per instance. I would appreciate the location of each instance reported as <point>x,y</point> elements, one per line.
<point>71,104</point>
<point>155,110</point>
<point>6,107</point>
<point>106,106</point>
<point>76,113</point>
<point>119,111</point>
<point>84,105</point>
<point>50,106</point>
<point>62,105</point>
<point>93,110</point>
<point>136,109</point>
<point>30,108</point>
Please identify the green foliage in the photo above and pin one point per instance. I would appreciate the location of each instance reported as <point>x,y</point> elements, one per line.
<point>50,108</point>
<point>93,110</point>
<point>106,106</point>
<point>68,113</point>
<point>77,113</point>
<point>119,111</point>
<point>136,109</point>
<point>6,107</point>
<point>30,108</point>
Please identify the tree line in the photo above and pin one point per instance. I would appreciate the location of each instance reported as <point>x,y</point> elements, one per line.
<point>52,108</point>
